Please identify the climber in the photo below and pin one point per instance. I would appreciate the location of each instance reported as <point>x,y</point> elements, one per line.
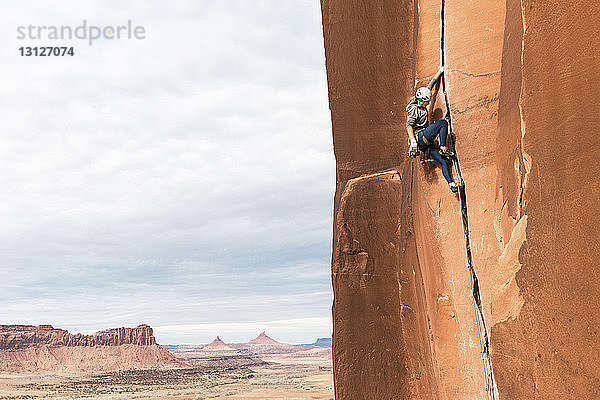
<point>421,136</point>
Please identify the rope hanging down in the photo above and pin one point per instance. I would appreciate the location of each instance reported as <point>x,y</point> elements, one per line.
<point>490,388</point>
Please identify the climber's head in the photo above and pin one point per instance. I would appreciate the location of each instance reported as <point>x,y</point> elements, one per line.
<point>423,96</point>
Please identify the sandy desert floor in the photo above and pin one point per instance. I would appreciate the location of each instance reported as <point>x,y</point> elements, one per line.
<point>284,379</point>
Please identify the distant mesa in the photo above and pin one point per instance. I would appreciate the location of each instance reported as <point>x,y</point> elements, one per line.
<point>13,337</point>
<point>323,342</point>
<point>45,348</point>
<point>219,345</point>
<point>264,339</point>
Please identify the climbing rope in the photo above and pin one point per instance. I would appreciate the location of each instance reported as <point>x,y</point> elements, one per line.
<point>479,320</point>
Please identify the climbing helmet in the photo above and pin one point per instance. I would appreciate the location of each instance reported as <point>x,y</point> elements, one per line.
<point>423,94</point>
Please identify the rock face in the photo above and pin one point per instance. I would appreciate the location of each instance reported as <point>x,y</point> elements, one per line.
<point>492,294</point>
<point>548,348</point>
<point>14,337</point>
<point>44,348</point>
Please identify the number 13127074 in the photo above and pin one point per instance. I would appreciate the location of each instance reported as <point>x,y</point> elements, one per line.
<point>46,51</point>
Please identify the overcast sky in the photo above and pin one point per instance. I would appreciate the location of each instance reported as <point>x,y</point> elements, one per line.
<point>184,180</point>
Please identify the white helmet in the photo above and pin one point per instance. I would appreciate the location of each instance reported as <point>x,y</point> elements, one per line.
<point>423,94</point>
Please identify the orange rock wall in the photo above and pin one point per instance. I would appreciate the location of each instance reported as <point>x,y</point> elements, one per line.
<point>379,330</point>
<point>369,71</point>
<point>472,83</point>
<point>405,323</point>
<point>550,104</point>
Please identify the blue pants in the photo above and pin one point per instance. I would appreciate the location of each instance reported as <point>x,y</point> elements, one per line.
<point>431,132</point>
<point>435,129</point>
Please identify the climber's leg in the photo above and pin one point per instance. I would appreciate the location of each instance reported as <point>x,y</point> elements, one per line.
<point>434,153</point>
<point>437,128</point>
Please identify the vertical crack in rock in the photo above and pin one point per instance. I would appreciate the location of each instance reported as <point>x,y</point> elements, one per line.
<point>491,391</point>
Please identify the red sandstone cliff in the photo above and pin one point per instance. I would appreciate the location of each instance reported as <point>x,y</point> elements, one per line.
<point>44,348</point>
<point>493,294</point>
<point>22,336</point>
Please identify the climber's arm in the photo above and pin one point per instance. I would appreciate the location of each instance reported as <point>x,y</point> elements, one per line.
<point>413,147</point>
<point>435,78</point>
<point>434,91</point>
<point>411,121</point>
<point>411,133</point>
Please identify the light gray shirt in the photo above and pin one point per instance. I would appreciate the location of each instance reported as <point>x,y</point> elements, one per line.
<point>416,116</point>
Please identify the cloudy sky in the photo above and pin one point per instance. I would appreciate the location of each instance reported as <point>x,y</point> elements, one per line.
<point>184,180</point>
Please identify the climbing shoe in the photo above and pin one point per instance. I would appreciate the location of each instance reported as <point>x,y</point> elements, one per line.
<point>453,187</point>
<point>447,153</point>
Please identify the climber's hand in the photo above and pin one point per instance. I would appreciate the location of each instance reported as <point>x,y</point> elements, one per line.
<point>413,149</point>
